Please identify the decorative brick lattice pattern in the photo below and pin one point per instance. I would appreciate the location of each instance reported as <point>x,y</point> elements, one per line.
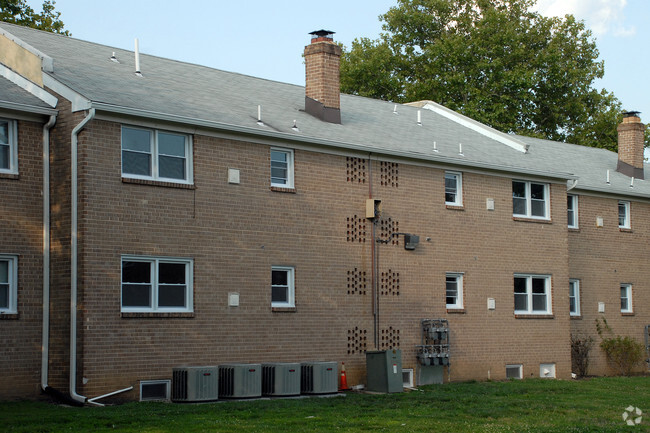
<point>389,172</point>
<point>357,340</point>
<point>356,229</point>
<point>388,226</point>
<point>389,338</point>
<point>357,282</point>
<point>389,283</point>
<point>356,168</point>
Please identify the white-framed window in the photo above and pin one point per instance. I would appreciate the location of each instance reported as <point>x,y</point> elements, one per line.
<point>8,146</point>
<point>530,199</point>
<point>574,297</point>
<point>156,155</point>
<point>532,294</point>
<point>572,211</point>
<point>281,167</point>
<point>156,284</point>
<point>626,298</point>
<point>454,290</point>
<point>453,188</point>
<point>282,286</point>
<point>8,283</point>
<point>624,214</point>
<point>514,371</point>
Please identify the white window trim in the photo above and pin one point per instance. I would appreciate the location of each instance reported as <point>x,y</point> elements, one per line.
<point>630,306</point>
<point>13,147</point>
<point>626,223</point>
<point>459,284</point>
<point>165,382</point>
<point>576,285</point>
<point>290,177</point>
<point>574,199</point>
<point>155,161</point>
<point>12,306</point>
<point>529,294</point>
<point>189,280</point>
<point>528,197</point>
<point>459,188</point>
<point>520,369</point>
<point>291,282</point>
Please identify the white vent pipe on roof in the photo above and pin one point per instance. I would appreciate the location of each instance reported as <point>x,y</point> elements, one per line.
<point>137,58</point>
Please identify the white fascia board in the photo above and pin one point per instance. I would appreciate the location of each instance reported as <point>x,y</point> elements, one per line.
<point>78,101</point>
<point>472,124</point>
<point>24,108</point>
<point>47,63</point>
<point>27,85</point>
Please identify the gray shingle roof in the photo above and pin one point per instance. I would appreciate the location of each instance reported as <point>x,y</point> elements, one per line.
<point>210,97</point>
<point>14,97</point>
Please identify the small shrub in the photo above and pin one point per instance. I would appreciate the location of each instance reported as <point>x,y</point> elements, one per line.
<point>580,348</point>
<point>623,353</point>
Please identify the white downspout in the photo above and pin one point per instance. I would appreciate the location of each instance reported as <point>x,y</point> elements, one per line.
<point>45,348</point>
<point>73,257</point>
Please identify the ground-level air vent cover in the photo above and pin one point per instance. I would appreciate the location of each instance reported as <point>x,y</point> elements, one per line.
<point>281,379</point>
<point>191,384</point>
<point>319,377</point>
<point>240,380</point>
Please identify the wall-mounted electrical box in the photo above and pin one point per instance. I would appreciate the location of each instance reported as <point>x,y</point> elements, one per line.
<point>373,208</point>
<point>411,241</point>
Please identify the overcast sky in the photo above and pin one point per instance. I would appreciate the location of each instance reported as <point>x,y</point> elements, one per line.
<point>266,38</point>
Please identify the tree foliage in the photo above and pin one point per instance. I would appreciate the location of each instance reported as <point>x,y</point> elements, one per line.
<point>19,12</point>
<point>495,61</point>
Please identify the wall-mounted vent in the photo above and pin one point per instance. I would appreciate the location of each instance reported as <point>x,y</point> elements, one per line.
<point>281,379</point>
<point>192,384</point>
<point>154,390</point>
<point>240,380</point>
<point>319,377</point>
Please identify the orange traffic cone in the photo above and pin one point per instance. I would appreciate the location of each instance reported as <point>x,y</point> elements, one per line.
<point>344,379</point>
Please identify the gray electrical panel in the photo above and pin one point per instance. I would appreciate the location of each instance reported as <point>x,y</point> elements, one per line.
<point>433,353</point>
<point>384,371</point>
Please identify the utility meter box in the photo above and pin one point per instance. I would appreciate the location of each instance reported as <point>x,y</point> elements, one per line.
<point>384,371</point>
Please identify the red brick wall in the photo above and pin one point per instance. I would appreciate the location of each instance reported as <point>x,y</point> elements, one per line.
<point>603,258</point>
<point>235,233</point>
<point>21,234</point>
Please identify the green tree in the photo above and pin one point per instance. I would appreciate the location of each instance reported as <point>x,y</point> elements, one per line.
<point>495,61</point>
<point>19,12</point>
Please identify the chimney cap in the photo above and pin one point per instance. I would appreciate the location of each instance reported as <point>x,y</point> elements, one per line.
<point>631,113</point>
<point>322,34</point>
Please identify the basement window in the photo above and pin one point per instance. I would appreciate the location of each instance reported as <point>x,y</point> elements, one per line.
<point>154,390</point>
<point>156,155</point>
<point>8,147</point>
<point>514,371</point>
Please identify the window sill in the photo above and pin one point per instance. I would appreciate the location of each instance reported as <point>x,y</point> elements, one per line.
<point>13,176</point>
<point>534,316</point>
<point>152,315</point>
<point>158,183</point>
<point>532,220</point>
<point>579,317</point>
<point>284,309</point>
<point>627,314</point>
<point>455,207</point>
<point>455,311</point>
<point>574,229</point>
<point>625,230</point>
<point>282,189</point>
<point>9,316</point>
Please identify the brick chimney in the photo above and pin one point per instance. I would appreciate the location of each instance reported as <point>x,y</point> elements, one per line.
<point>630,145</point>
<point>322,83</point>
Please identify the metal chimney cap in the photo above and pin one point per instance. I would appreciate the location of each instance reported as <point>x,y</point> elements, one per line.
<point>322,34</point>
<point>631,113</point>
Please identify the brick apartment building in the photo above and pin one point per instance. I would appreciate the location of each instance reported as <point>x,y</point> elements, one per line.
<point>181,215</point>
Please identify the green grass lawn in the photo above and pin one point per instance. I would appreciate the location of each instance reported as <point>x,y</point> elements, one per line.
<point>594,405</point>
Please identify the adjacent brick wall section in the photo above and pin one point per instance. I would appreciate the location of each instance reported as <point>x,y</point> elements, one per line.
<point>602,258</point>
<point>21,234</point>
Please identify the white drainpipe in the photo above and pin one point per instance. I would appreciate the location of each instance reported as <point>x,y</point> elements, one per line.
<point>45,348</point>
<point>73,257</point>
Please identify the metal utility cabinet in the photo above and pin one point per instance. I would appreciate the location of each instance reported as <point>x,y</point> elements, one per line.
<point>384,371</point>
<point>433,353</point>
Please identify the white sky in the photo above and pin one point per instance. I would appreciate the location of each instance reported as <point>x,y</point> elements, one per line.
<point>266,38</point>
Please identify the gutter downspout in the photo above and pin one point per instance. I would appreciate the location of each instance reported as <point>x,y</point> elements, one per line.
<point>73,256</point>
<point>45,347</point>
